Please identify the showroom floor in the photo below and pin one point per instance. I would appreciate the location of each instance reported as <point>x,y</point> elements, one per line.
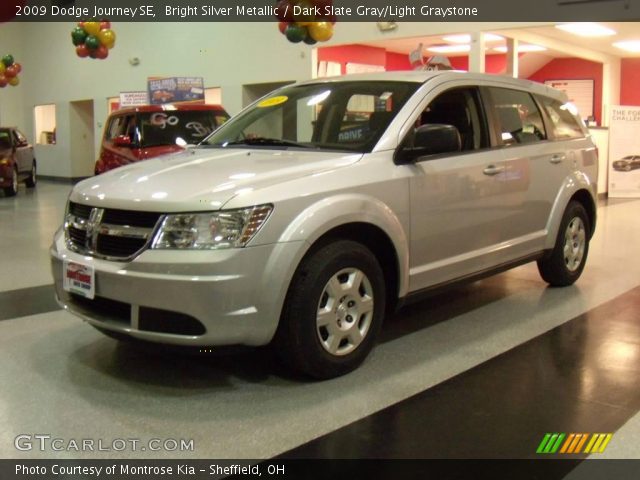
<point>483,371</point>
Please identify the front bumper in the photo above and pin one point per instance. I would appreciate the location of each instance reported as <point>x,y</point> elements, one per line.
<point>191,298</point>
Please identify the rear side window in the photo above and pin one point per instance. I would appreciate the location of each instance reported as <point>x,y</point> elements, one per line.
<point>119,125</point>
<point>519,119</point>
<point>563,117</point>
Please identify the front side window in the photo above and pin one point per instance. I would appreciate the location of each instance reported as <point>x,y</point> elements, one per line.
<point>519,118</point>
<point>350,116</point>
<point>460,108</point>
<point>564,118</point>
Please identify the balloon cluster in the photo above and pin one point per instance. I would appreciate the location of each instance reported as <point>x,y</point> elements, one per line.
<point>300,22</point>
<point>9,71</point>
<point>93,39</point>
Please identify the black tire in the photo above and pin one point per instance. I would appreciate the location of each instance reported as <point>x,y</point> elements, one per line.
<point>562,268</point>
<point>303,345</point>
<point>12,190</point>
<point>31,181</point>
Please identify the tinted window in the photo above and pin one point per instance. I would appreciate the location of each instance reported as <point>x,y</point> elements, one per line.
<point>461,108</point>
<point>121,125</point>
<point>182,127</point>
<point>564,118</point>
<point>518,116</point>
<point>21,139</point>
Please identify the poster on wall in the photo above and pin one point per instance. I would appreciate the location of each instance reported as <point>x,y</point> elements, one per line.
<point>175,90</point>
<point>624,152</point>
<point>580,93</point>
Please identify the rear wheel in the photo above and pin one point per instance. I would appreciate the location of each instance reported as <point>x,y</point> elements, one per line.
<point>333,312</point>
<point>12,189</point>
<point>30,182</point>
<point>567,259</point>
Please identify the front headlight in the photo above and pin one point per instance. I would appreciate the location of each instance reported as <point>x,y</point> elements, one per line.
<point>212,230</point>
<point>5,161</point>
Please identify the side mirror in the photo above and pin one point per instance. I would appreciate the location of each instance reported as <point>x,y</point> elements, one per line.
<point>429,139</point>
<point>122,141</point>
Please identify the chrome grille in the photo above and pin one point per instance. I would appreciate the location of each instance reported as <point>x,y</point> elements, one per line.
<point>108,233</point>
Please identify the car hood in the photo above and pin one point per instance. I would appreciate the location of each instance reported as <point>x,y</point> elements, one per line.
<point>202,178</point>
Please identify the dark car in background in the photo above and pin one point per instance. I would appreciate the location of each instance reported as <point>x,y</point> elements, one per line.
<point>135,134</point>
<point>628,163</point>
<point>17,161</point>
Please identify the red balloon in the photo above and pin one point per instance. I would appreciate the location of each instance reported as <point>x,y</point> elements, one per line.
<point>81,24</point>
<point>3,81</point>
<point>82,51</point>
<point>10,72</point>
<point>105,25</point>
<point>282,26</point>
<point>18,67</point>
<point>285,11</point>
<point>102,52</point>
<point>8,10</point>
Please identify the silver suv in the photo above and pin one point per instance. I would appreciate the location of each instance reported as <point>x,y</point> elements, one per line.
<point>307,217</point>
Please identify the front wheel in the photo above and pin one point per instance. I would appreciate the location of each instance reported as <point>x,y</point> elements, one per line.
<point>567,259</point>
<point>12,190</point>
<point>333,312</point>
<point>30,182</point>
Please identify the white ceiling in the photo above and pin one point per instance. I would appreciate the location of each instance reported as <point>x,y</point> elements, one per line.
<point>565,44</point>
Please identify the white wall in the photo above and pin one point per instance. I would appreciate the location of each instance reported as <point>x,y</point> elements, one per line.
<point>12,112</point>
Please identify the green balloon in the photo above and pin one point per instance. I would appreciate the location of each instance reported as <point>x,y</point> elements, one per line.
<point>92,42</point>
<point>78,36</point>
<point>295,33</point>
<point>7,60</point>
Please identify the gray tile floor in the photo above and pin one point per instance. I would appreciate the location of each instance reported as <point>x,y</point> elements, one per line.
<point>60,377</point>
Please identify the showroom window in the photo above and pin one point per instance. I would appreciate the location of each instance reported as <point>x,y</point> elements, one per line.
<point>518,115</point>
<point>45,124</point>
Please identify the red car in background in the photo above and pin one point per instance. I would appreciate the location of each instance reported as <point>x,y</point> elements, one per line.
<point>17,163</point>
<point>139,133</point>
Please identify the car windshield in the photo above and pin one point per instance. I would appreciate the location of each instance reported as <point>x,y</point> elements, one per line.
<point>350,116</point>
<point>5,139</point>
<point>181,127</point>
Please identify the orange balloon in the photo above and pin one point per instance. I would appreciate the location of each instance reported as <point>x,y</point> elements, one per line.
<point>321,31</point>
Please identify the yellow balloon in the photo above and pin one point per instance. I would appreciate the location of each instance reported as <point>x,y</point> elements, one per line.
<point>107,38</point>
<point>15,81</point>
<point>321,31</point>
<point>92,28</point>
<point>2,68</point>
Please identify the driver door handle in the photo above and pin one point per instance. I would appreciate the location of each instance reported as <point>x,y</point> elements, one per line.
<point>557,158</point>
<point>493,170</point>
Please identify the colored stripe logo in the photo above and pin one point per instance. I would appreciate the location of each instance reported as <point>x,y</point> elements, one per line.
<point>563,443</point>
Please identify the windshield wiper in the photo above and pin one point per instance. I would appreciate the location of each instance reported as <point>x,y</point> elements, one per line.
<point>278,142</point>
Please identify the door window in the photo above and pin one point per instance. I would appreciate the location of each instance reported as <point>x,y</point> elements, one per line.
<point>518,116</point>
<point>563,117</point>
<point>459,107</point>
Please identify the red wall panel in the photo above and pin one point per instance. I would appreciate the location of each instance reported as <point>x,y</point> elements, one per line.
<point>630,84</point>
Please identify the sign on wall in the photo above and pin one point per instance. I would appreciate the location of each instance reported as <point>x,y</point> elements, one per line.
<point>624,152</point>
<point>175,90</point>
<point>580,93</point>
<point>133,99</point>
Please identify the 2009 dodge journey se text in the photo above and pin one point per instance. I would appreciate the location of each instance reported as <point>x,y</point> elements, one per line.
<point>309,215</point>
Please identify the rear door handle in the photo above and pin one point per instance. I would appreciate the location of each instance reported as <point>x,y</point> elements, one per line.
<point>493,170</point>
<point>557,158</point>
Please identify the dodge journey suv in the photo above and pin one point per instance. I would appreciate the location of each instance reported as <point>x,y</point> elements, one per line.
<point>308,216</point>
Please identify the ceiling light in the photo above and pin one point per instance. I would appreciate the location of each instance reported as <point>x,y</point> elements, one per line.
<point>632,46</point>
<point>522,48</point>
<point>466,38</point>
<point>587,29</point>
<point>449,48</point>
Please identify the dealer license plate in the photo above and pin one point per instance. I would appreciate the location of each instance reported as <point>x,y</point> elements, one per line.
<point>79,279</point>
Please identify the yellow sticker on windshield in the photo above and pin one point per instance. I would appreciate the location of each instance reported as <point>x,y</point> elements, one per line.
<point>273,101</point>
